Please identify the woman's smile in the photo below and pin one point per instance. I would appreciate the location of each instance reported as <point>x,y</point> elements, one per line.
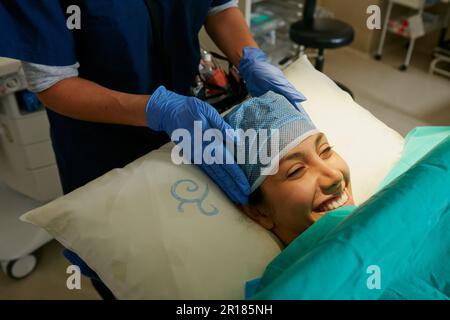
<point>343,199</point>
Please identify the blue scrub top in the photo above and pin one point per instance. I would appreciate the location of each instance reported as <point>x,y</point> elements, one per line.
<point>115,49</point>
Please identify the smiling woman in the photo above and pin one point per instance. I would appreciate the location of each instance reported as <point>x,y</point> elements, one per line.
<point>311,178</point>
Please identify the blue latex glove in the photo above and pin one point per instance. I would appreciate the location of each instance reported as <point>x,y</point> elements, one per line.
<point>260,76</point>
<point>168,111</point>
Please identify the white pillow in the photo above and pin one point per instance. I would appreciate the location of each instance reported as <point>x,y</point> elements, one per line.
<point>132,227</point>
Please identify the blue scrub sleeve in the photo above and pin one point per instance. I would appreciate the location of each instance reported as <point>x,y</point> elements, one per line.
<point>36,31</point>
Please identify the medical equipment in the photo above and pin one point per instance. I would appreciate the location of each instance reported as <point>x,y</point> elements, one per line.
<point>411,27</point>
<point>269,23</point>
<point>217,85</point>
<point>28,173</point>
<point>279,127</point>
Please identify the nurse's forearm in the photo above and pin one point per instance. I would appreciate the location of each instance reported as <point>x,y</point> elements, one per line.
<point>229,30</point>
<point>85,100</point>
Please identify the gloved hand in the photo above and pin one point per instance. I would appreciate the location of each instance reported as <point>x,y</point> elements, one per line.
<point>168,111</point>
<point>260,76</point>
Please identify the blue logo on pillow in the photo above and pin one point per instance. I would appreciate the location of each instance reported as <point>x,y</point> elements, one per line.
<point>191,186</point>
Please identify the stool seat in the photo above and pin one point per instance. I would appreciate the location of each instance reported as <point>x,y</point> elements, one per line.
<point>321,33</point>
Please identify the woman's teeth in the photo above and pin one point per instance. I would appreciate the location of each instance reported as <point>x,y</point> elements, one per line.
<point>335,203</point>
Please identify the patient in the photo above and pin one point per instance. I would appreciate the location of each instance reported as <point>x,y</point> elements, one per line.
<point>312,179</point>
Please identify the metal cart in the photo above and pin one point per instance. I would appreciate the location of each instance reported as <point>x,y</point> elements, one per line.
<point>429,24</point>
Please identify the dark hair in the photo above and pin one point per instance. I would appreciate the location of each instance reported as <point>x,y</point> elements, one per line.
<point>256,197</point>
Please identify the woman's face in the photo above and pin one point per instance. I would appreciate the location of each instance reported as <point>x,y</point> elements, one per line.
<point>311,181</point>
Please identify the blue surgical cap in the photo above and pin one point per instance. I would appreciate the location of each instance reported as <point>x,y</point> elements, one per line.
<point>269,111</point>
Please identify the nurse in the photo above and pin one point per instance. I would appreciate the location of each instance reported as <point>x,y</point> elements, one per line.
<point>117,87</point>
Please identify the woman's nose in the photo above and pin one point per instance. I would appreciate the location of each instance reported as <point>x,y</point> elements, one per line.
<point>331,180</point>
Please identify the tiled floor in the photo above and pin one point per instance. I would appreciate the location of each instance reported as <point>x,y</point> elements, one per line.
<point>403,100</point>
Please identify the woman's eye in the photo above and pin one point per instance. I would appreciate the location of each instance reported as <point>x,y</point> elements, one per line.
<point>296,172</point>
<point>327,151</point>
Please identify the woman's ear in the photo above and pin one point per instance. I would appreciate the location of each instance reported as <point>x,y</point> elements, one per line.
<point>258,214</point>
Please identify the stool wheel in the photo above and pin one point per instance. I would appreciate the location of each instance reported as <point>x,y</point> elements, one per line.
<point>403,67</point>
<point>378,57</point>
